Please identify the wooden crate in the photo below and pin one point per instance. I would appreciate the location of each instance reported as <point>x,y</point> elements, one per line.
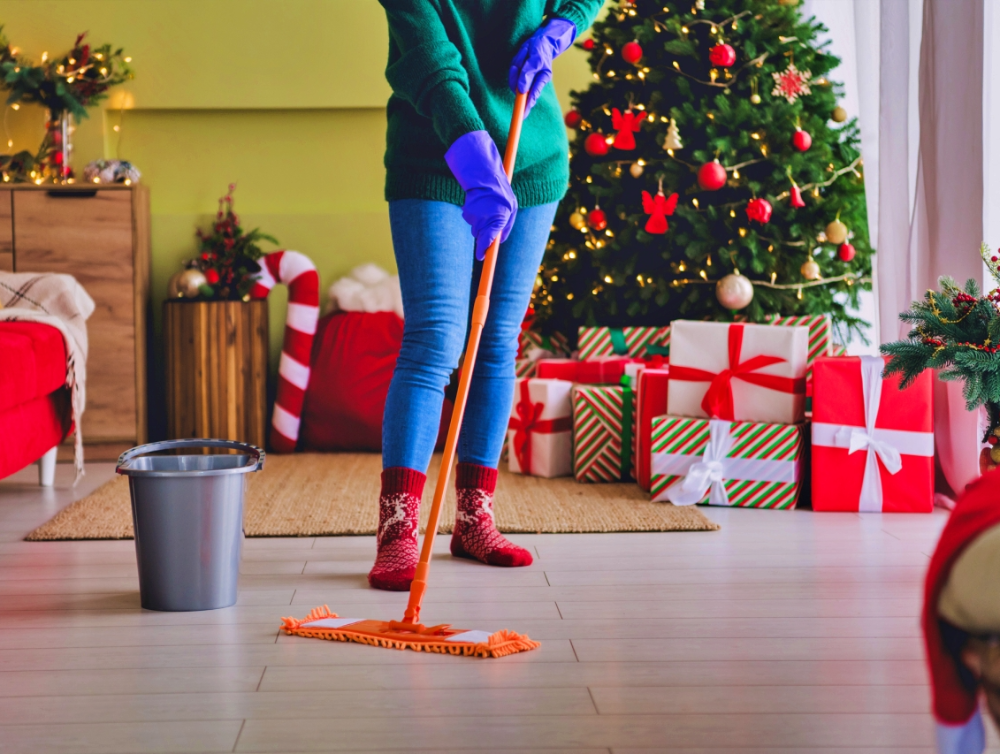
<point>216,354</point>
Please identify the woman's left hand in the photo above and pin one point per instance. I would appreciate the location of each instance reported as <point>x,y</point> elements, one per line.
<point>531,68</point>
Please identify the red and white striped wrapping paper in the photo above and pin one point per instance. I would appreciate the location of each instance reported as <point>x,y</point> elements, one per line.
<point>299,273</point>
<point>740,464</point>
<point>603,425</point>
<point>600,341</point>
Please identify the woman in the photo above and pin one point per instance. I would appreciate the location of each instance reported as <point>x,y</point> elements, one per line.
<point>452,66</point>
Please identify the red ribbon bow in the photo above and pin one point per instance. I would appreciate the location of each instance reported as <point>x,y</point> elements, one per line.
<point>528,422</point>
<point>718,400</point>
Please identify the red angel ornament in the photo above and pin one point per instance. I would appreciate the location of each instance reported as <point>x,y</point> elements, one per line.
<point>625,125</point>
<point>658,208</point>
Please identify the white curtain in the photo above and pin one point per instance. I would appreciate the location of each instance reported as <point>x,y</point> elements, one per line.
<point>914,73</point>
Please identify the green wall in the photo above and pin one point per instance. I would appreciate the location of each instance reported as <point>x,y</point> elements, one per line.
<point>285,98</point>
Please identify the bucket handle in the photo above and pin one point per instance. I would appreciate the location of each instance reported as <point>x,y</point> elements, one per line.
<point>256,454</point>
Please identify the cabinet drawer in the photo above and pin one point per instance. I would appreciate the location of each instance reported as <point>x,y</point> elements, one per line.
<point>89,235</point>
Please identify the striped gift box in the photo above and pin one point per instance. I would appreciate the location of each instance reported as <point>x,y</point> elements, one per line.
<point>556,344</point>
<point>838,349</point>
<point>599,430</point>
<point>524,368</point>
<point>820,335</point>
<point>762,468</point>
<point>601,341</point>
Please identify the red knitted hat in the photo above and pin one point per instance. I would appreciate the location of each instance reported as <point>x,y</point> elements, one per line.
<point>956,707</point>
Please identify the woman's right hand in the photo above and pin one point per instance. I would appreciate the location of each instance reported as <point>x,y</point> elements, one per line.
<point>490,207</point>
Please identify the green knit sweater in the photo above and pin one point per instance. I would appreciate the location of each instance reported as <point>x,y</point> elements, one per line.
<point>448,69</point>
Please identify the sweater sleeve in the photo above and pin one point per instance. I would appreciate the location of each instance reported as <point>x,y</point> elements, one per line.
<point>428,73</point>
<point>581,12</point>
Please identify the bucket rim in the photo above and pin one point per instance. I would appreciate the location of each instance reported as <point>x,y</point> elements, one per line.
<point>255,463</point>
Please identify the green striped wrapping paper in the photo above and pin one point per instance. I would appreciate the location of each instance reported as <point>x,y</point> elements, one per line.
<point>838,349</point>
<point>557,344</point>
<point>678,436</point>
<point>598,429</point>
<point>820,335</point>
<point>525,368</point>
<point>602,341</point>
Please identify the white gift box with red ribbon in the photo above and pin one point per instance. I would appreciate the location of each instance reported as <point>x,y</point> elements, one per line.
<point>540,434</point>
<point>738,372</point>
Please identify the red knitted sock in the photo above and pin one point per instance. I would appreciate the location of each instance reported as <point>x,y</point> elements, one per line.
<point>476,534</point>
<point>398,511</point>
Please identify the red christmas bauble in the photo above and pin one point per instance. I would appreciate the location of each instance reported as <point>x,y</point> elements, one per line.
<point>993,439</point>
<point>587,44</point>
<point>846,252</point>
<point>573,118</point>
<point>801,140</point>
<point>712,176</point>
<point>595,145</point>
<point>631,52</point>
<point>722,55</point>
<point>759,210</point>
<point>597,220</point>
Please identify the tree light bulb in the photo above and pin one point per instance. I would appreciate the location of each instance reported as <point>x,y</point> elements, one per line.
<point>677,65</point>
<point>684,29</point>
<point>116,129</point>
<point>799,295</point>
<point>641,162</point>
<point>704,275</point>
<point>15,106</point>
<point>774,276</point>
<point>695,203</point>
<point>736,173</point>
<point>608,279</point>
<point>569,296</point>
<point>732,213</point>
<point>681,267</point>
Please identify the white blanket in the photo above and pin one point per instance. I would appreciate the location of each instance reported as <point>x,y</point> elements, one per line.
<point>59,301</point>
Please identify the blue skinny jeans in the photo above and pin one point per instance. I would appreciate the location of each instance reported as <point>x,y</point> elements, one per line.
<point>435,254</point>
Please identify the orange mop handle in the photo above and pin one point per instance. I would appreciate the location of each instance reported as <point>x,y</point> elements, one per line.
<point>479,311</point>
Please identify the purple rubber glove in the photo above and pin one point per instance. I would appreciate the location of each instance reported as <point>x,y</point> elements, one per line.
<point>490,206</point>
<point>531,68</point>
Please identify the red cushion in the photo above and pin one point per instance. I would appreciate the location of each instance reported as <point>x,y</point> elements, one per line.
<point>33,363</point>
<point>354,356</point>
<point>31,428</point>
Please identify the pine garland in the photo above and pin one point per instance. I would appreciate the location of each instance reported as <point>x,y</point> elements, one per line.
<point>955,330</point>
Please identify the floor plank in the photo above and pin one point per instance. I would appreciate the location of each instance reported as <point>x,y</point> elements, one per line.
<point>785,631</point>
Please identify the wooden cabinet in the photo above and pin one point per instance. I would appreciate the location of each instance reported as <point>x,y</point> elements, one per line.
<point>100,236</point>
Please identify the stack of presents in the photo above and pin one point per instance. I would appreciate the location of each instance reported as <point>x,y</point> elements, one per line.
<point>755,416</point>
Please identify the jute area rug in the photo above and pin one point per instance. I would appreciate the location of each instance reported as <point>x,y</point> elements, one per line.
<point>311,494</point>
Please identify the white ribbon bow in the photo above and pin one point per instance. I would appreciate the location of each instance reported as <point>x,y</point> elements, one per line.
<point>880,443</point>
<point>708,473</point>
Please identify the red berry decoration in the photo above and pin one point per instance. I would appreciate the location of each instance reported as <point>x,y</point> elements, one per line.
<point>631,52</point>
<point>572,119</point>
<point>759,210</point>
<point>712,176</point>
<point>846,252</point>
<point>801,140</point>
<point>587,44</point>
<point>596,145</point>
<point>212,276</point>
<point>992,439</point>
<point>597,219</point>
<point>722,55</point>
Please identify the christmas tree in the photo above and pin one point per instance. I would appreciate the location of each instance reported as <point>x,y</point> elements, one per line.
<point>712,174</point>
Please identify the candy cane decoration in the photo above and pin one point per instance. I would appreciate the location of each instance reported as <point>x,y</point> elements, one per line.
<point>299,273</point>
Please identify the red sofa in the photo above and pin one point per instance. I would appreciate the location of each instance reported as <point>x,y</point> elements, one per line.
<point>35,410</point>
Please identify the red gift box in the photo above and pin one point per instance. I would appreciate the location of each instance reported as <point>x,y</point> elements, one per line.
<point>872,443</point>
<point>651,401</point>
<point>590,372</point>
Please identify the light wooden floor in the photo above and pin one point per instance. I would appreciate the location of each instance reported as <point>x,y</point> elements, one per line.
<point>785,631</point>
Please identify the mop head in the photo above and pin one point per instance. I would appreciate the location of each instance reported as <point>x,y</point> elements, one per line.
<point>322,624</point>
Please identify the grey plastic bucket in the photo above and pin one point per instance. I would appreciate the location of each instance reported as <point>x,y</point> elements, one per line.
<point>187,511</point>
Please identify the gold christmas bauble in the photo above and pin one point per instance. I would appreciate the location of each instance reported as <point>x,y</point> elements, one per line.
<point>755,98</point>
<point>997,431</point>
<point>995,454</point>
<point>734,291</point>
<point>173,285</point>
<point>189,281</point>
<point>839,114</point>
<point>810,270</point>
<point>836,232</point>
<point>578,221</point>
<point>635,169</point>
